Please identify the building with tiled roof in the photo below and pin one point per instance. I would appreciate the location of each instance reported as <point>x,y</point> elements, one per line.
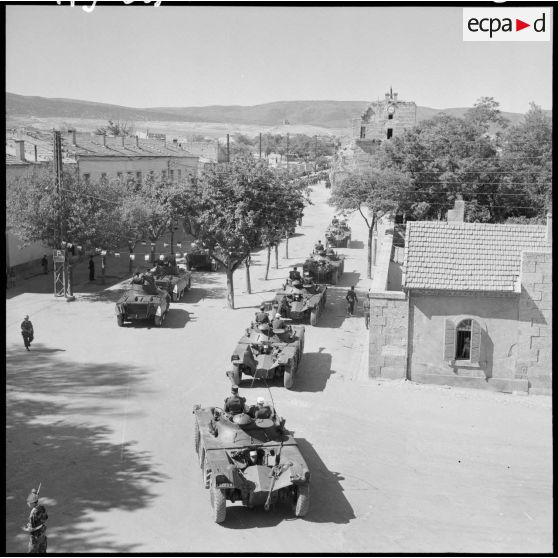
<point>474,309</point>
<point>459,256</point>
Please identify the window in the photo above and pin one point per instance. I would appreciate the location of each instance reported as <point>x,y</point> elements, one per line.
<point>171,175</point>
<point>362,132</point>
<point>390,116</point>
<point>389,133</point>
<point>138,177</point>
<point>462,341</point>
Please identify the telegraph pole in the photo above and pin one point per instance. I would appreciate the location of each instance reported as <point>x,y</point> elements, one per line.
<point>228,150</point>
<point>59,255</point>
<point>260,145</point>
<point>287,151</point>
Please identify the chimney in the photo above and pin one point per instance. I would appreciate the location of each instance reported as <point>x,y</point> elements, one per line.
<point>73,132</point>
<point>175,141</point>
<point>549,227</point>
<point>20,150</point>
<point>36,156</point>
<point>457,214</point>
<point>387,96</point>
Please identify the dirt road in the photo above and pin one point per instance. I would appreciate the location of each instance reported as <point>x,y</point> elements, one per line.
<point>102,416</point>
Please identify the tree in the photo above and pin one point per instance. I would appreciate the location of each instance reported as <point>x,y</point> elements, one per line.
<point>527,157</point>
<point>226,209</point>
<point>486,113</point>
<point>116,128</point>
<point>150,209</point>
<point>372,194</point>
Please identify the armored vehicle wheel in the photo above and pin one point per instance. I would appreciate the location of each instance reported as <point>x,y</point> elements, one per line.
<point>288,379</point>
<point>302,504</point>
<point>218,504</point>
<point>314,316</point>
<point>236,374</point>
<point>197,436</point>
<point>120,320</point>
<point>158,321</point>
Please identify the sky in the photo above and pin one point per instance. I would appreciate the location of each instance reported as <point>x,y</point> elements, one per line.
<point>146,56</point>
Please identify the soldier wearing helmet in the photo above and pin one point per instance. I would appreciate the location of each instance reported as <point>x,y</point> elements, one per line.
<point>235,404</point>
<point>261,316</point>
<point>278,322</point>
<point>262,410</point>
<point>36,525</point>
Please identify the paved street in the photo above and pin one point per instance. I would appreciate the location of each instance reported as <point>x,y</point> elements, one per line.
<point>102,417</point>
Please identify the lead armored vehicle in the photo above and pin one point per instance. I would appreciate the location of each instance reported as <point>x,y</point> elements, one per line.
<point>267,353</point>
<point>172,277</point>
<point>143,301</point>
<point>338,234</point>
<point>326,268</point>
<point>301,301</point>
<point>199,258</point>
<point>253,461</point>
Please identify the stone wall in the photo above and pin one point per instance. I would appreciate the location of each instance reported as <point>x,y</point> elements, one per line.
<point>389,319</point>
<point>534,355</point>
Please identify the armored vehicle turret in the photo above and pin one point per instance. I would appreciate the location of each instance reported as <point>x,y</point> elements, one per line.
<point>172,277</point>
<point>263,352</point>
<point>326,268</point>
<point>301,301</point>
<point>253,461</point>
<point>338,233</point>
<point>143,301</point>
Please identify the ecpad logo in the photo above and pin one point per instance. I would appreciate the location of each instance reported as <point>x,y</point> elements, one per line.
<point>506,24</point>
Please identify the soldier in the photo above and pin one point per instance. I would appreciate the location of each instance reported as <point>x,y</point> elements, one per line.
<point>235,404</point>
<point>27,332</point>
<point>44,264</point>
<point>91,269</point>
<point>294,275</point>
<point>319,247</point>
<point>351,298</point>
<point>262,316</point>
<point>36,525</point>
<point>262,410</point>
<point>277,323</point>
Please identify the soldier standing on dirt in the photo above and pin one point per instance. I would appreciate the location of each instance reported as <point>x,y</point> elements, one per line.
<point>36,525</point>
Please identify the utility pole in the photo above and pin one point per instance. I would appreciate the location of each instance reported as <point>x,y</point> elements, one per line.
<point>228,150</point>
<point>59,255</point>
<point>260,145</point>
<point>287,152</point>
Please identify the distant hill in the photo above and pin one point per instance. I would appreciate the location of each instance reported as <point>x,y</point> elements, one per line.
<point>327,114</point>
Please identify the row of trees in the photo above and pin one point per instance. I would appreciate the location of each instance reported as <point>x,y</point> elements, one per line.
<point>299,146</point>
<point>230,210</point>
<point>503,172</point>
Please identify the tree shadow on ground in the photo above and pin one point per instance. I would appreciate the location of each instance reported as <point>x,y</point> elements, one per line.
<point>356,245</point>
<point>328,503</point>
<point>176,318</point>
<point>314,372</point>
<point>80,470</point>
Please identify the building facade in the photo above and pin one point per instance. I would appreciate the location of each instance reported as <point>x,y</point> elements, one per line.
<point>475,308</point>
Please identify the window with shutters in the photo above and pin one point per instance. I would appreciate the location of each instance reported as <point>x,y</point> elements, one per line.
<point>462,341</point>
<point>362,132</point>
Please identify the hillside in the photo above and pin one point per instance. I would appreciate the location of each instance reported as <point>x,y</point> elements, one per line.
<point>323,114</point>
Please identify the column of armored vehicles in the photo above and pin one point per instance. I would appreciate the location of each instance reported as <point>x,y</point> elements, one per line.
<point>245,452</point>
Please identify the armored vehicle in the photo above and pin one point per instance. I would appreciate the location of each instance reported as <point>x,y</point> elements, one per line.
<point>173,278</point>
<point>338,234</point>
<point>143,301</point>
<point>325,269</point>
<point>253,461</point>
<point>301,301</point>
<point>199,258</point>
<point>268,353</point>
